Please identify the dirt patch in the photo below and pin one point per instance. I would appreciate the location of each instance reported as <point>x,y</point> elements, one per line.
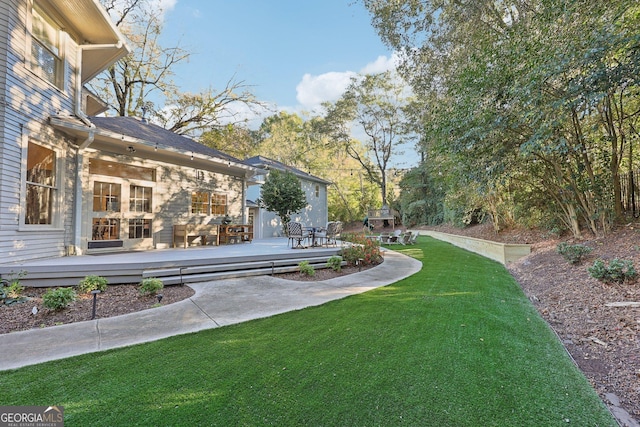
<point>116,300</point>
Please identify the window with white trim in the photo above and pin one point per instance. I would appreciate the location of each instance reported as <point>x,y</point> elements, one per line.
<point>140,198</point>
<point>106,197</point>
<point>46,48</point>
<point>218,204</point>
<point>41,185</point>
<point>105,229</point>
<point>200,203</point>
<point>139,228</point>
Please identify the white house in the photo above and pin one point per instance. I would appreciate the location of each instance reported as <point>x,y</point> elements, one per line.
<point>74,184</point>
<point>268,224</point>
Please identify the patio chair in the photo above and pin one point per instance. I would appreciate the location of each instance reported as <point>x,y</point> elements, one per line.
<point>384,237</point>
<point>338,230</point>
<point>330,233</point>
<point>395,237</point>
<point>414,237</point>
<point>405,238</point>
<point>323,234</point>
<point>297,233</point>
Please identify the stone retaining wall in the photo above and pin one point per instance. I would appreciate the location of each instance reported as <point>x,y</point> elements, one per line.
<point>501,252</point>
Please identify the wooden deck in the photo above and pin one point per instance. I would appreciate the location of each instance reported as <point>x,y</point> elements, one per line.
<point>173,266</point>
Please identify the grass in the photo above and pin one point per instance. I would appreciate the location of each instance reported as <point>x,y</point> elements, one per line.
<point>457,344</point>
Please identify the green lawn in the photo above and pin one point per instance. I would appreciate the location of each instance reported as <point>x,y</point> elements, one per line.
<point>457,344</point>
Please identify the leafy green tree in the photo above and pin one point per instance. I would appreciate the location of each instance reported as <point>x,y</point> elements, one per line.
<point>281,193</point>
<point>300,141</point>
<point>525,98</point>
<point>236,140</point>
<point>373,105</point>
<point>292,140</point>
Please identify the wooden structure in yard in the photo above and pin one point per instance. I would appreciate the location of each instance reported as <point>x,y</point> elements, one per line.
<point>384,214</point>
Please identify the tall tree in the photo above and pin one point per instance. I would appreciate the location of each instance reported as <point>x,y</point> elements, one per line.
<point>191,114</point>
<point>299,142</point>
<point>142,84</point>
<point>129,84</point>
<point>373,106</point>
<point>538,94</point>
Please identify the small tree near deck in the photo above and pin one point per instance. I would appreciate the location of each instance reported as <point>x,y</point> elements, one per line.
<point>281,193</point>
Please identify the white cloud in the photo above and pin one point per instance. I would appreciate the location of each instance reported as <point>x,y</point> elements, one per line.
<point>314,90</point>
<point>381,64</point>
<point>162,6</point>
<point>166,5</point>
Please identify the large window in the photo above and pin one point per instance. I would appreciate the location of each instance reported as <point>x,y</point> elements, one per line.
<point>106,197</point>
<point>218,204</point>
<point>140,199</point>
<point>200,203</point>
<point>105,229</point>
<point>46,48</point>
<point>139,228</point>
<point>41,184</point>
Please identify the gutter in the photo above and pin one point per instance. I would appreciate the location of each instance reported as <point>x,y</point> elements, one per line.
<point>76,249</point>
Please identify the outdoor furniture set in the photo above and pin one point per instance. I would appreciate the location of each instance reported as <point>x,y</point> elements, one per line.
<point>298,234</point>
<point>398,237</point>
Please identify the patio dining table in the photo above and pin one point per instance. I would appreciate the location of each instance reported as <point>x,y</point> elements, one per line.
<point>312,232</point>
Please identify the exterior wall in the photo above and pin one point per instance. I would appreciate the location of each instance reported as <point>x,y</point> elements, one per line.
<point>171,199</point>
<point>26,102</point>
<point>268,224</point>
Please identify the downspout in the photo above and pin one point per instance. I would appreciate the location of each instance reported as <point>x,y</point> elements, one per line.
<point>77,208</point>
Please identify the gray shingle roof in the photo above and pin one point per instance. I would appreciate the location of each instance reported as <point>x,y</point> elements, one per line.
<point>266,163</point>
<point>136,128</point>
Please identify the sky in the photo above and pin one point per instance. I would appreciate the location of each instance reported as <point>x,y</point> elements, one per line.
<point>294,54</point>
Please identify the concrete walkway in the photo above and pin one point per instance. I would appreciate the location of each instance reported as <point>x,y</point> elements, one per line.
<point>215,303</point>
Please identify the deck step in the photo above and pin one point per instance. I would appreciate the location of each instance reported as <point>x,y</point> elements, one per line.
<point>234,274</point>
<point>182,275</point>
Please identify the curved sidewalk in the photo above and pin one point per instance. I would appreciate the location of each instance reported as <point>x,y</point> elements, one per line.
<point>215,303</point>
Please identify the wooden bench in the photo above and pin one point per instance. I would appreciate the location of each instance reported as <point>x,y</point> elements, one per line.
<point>208,233</point>
<point>236,233</point>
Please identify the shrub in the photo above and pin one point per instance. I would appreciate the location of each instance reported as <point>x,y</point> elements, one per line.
<point>618,271</point>
<point>306,269</point>
<point>57,299</point>
<point>150,286</point>
<point>335,263</point>
<point>92,283</point>
<point>363,249</point>
<point>11,289</point>
<point>573,253</point>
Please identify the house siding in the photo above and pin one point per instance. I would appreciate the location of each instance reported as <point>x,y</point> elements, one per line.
<point>313,215</point>
<point>26,102</point>
<point>171,199</point>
